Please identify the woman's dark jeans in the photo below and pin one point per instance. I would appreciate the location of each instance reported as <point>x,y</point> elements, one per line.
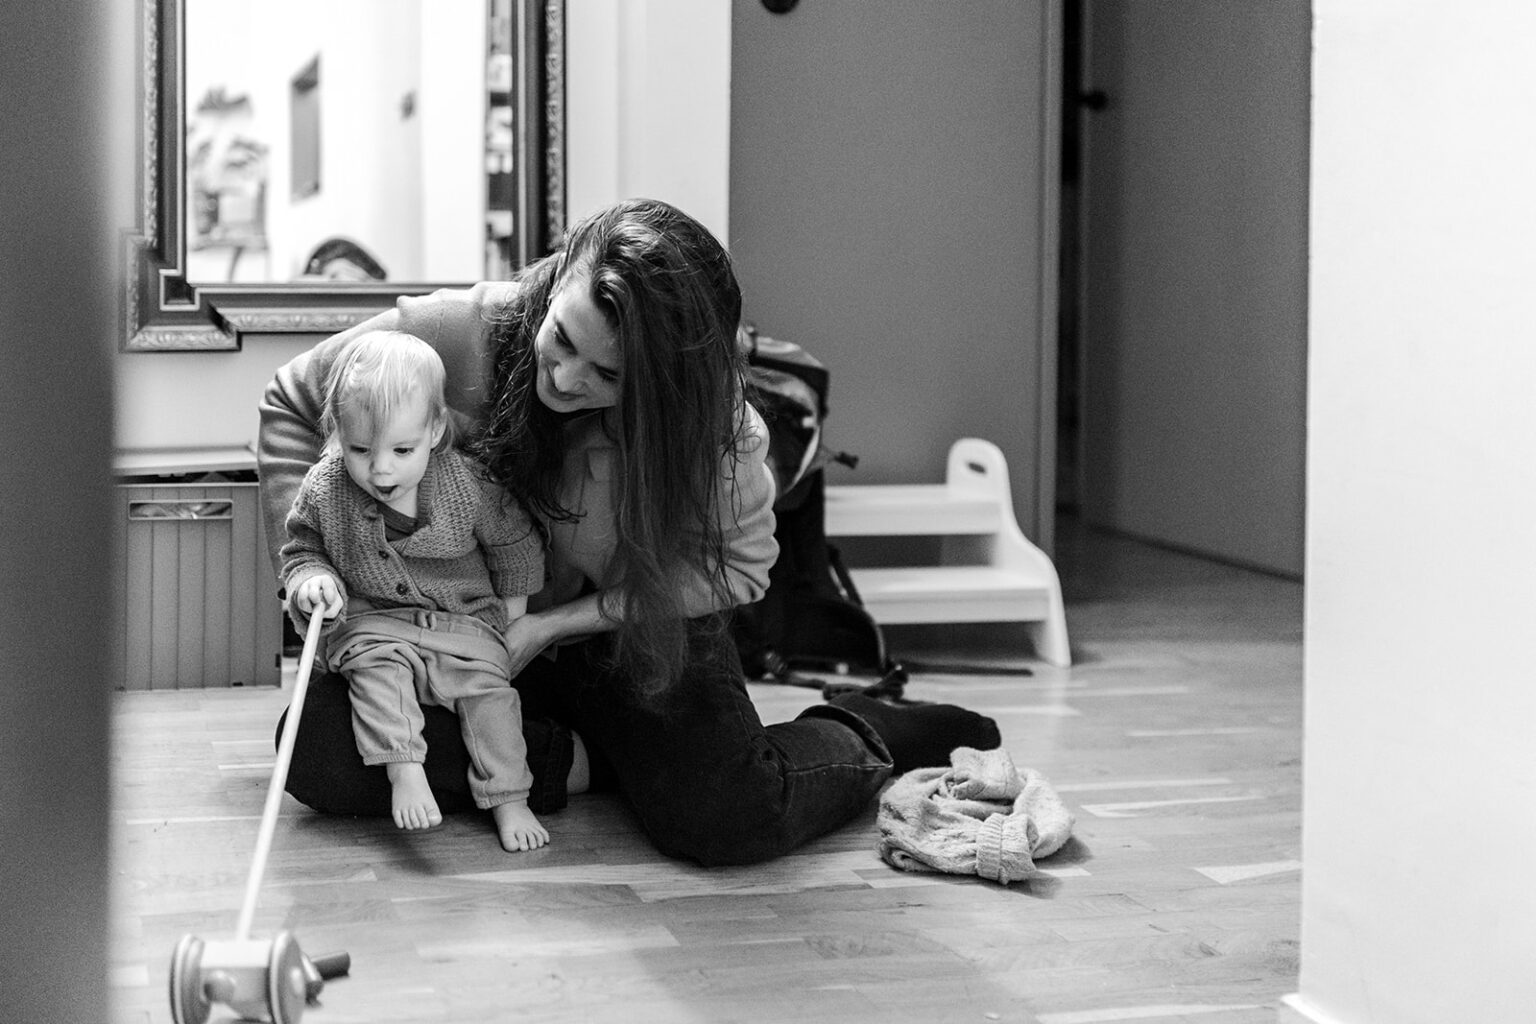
<point>707,779</point>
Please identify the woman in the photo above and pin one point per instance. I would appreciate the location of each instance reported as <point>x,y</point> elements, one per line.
<point>603,389</point>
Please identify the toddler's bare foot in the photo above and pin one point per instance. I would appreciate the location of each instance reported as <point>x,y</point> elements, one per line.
<point>518,828</point>
<point>411,798</point>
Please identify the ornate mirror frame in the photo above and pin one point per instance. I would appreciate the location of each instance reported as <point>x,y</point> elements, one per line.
<point>163,311</point>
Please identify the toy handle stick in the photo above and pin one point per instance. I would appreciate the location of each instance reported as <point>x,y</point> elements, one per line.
<point>279,775</point>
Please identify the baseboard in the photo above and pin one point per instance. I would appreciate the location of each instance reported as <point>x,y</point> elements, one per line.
<point>1294,1009</point>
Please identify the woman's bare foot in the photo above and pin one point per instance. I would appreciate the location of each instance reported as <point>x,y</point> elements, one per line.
<point>518,828</point>
<point>411,798</point>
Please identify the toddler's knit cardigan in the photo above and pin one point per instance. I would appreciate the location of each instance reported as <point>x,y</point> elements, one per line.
<point>980,816</point>
<point>473,546</point>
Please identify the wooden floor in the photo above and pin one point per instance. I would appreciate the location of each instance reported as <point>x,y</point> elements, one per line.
<point>1175,739</point>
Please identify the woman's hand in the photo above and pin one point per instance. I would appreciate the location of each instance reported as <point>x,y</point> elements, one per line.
<point>530,634</point>
<point>527,635</point>
<point>318,592</point>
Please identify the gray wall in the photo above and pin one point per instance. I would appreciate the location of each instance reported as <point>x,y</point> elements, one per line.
<point>56,301</point>
<point>889,211</point>
<point>1195,319</point>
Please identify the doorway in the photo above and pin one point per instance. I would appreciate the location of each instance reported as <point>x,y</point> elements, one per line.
<point>1182,329</point>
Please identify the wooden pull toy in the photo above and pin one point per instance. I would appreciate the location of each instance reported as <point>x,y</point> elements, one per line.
<point>259,979</point>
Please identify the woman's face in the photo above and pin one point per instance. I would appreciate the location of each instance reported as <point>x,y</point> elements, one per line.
<point>579,362</point>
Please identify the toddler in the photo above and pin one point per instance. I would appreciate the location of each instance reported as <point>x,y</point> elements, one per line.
<point>422,562</point>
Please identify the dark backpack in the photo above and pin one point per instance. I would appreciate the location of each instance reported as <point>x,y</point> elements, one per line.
<point>810,618</point>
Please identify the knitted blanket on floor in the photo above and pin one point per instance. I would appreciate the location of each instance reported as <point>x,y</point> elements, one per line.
<point>980,816</point>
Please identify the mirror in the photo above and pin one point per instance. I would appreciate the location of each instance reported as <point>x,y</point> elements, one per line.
<point>306,162</point>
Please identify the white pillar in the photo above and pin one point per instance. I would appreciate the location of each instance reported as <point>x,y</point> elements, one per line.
<point>1418,832</point>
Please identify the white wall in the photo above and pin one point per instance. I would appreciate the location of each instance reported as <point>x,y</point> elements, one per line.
<point>648,105</point>
<point>201,399</point>
<point>1418,902</point>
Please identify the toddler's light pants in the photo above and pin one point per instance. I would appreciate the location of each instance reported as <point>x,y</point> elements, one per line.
<point>398,659</point>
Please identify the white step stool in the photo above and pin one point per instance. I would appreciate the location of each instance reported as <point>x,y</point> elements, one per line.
<point>989,570</point>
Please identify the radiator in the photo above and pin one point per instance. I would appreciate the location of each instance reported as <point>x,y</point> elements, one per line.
<point>196,601</point>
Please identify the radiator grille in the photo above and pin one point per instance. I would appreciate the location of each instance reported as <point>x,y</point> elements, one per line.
<point>197,604</point>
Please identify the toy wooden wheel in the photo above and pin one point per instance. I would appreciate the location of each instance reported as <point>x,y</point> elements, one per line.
<point>287,986</point>
<point>189,1003</point>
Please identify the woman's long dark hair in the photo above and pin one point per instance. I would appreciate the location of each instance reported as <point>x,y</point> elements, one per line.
<point>666,287</point>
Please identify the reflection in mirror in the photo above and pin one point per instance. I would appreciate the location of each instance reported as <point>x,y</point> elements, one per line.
<point>307,162</point>
<point>348,123</point>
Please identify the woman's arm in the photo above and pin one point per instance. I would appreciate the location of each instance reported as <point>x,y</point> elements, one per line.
<point>747,493</point>
<point>749,549</point>
<point>532,633</point>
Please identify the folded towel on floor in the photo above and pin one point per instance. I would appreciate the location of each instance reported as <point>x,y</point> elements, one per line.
<point>980,816</point>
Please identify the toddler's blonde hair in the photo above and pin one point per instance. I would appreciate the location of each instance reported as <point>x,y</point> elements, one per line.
<point>378,373</point>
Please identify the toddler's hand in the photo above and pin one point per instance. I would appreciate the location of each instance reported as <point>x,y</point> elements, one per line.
<point>319,592</point>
